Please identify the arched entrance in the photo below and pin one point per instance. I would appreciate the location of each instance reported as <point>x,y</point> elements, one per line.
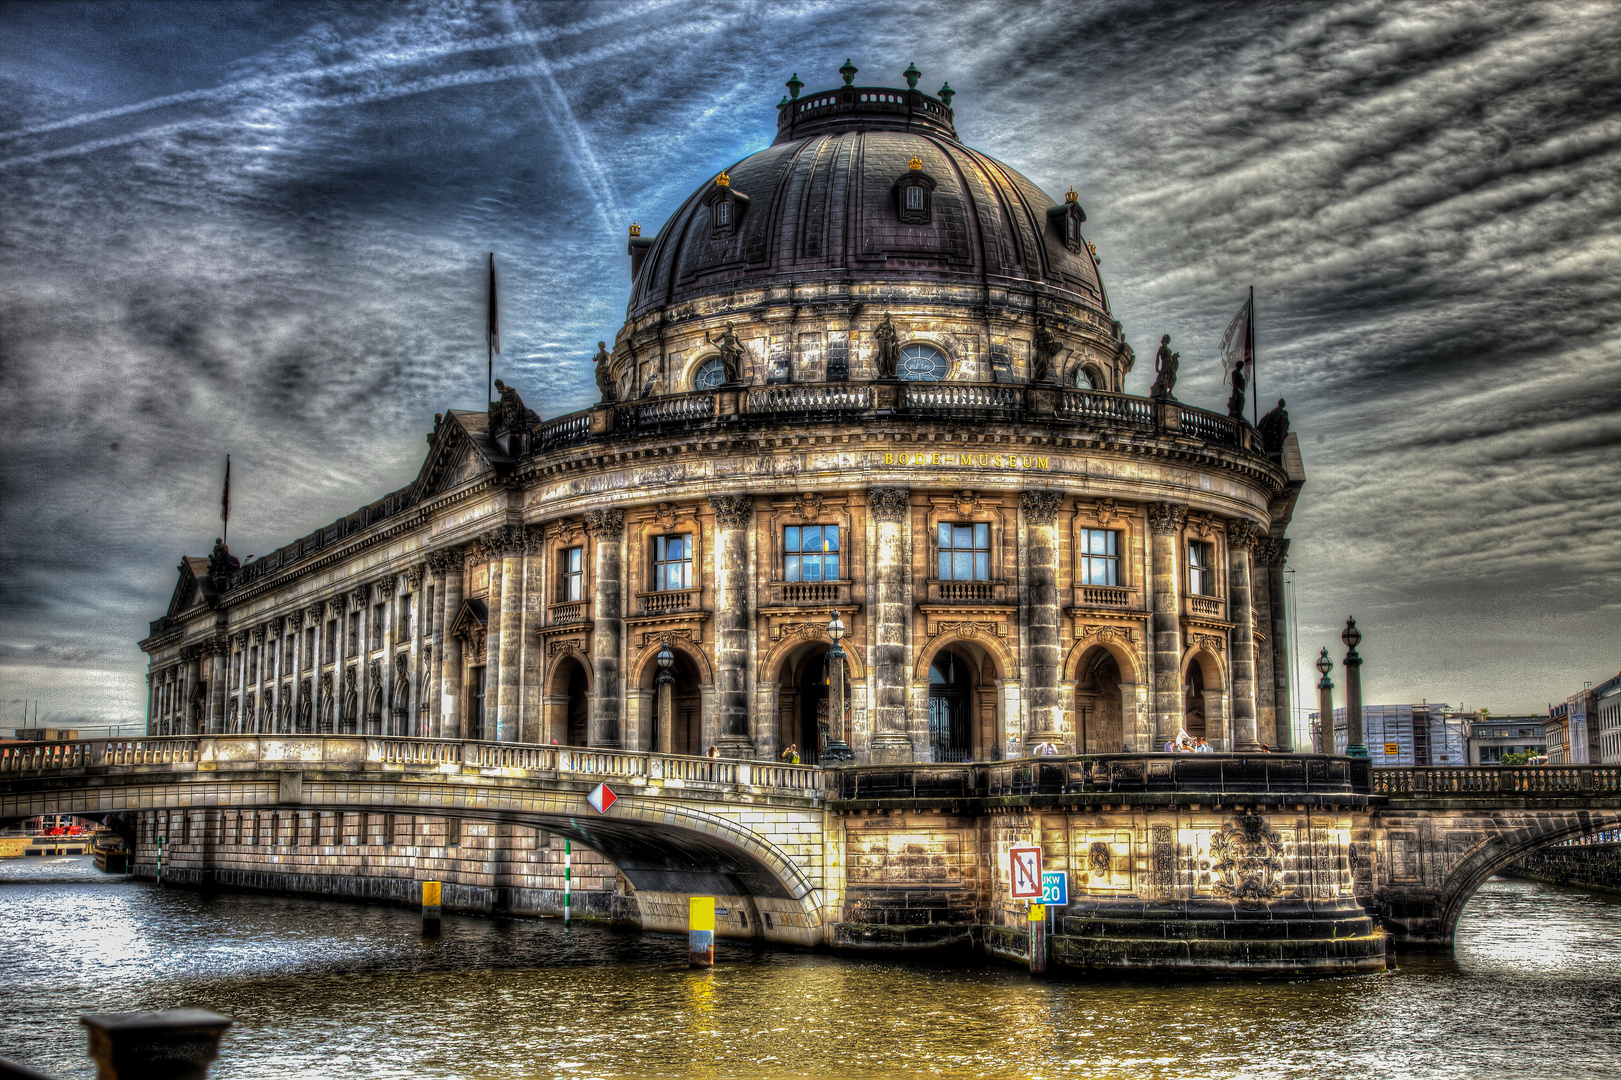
<point>1097,699</point>
<point>686,707</point>
<point>950,708</point>
<point>1193,710</point>
<point>578,710</point>
<point>810,708</point>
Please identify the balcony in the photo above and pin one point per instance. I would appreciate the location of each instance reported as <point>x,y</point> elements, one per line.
<point>1203,607</point>
<point>572,612</point>
<point>1105,596</point>
<point>814,594</point>
<point>668,602</point>
<point>968,592</point>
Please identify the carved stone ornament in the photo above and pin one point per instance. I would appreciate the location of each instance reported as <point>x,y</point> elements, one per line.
<point>808,506</point>
<point>387,586</point>
<point>1270,551</point>
<point>565,531</point>
<point>889,504</point>
<point>1246,857</point>
<point>1097,858</point>
<point>1207,641</point>
<point>445,560</point>
<point>967,503</point>
<point>1241,533</point>
<point>413,576</point>
<point>1165,518</point>
<point>669,636</point>
<point>360,596</point>
<point>559,646</point>
<point>1202,524</point>
<point>314,612</point>
<point>732,511</point>
<point>665,514</point>
<point>605,523</point>
<point>1041,507</point>
<point>258,633</point>
<point>241,639</point>
<point>803,630</point>
<point>334,607</point>
<point>1104,632</point>
<point>295,622</point>
<point>1106,511</point>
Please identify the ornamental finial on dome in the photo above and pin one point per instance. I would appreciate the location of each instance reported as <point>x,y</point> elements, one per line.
<point>795,84</point>
<point>946,94</point>
<point>912,75</point>
<point>849,72</point>
<point>724,179</point>
<point>916,164</point>
<point>1070,196</point>
<point>635,229</point>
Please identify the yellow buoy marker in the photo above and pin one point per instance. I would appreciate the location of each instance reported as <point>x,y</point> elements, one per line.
<point>430,908</point>
<point>1038,939</point>
<point>701,931</point>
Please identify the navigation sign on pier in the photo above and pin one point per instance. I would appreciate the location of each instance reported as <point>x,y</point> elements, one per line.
<point>601,798</point>
<point>1024,877</point>
<point>1055,887</point>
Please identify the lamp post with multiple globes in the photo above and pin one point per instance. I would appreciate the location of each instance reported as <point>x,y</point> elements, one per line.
<point>837,749</point>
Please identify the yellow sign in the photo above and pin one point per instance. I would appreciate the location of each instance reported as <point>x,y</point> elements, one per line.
<point>951,459</point>
<point>1038,912</point>
<point>430,894</point>
<point>701,913</point>
<point>1392,749</point>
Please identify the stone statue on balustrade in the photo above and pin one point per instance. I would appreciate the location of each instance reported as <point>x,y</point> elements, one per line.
<point>1273,427</point>
<point>1165,365</point>
<point>1047,348</point>
<point>1235,403</point>
<point>731,352</point>
<point>508,412</point>
<point>889,353</point>
<point>605,379</point>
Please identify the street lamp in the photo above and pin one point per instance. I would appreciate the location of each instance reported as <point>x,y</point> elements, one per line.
<point>837,749</point>
<point>1325,702</point>
<point>665,682</point>
<point>1353,691</point>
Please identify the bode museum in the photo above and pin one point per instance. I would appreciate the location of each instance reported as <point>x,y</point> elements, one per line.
<point>868,382</point>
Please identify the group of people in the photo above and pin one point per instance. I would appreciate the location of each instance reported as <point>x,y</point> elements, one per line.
<point>1183,743</point>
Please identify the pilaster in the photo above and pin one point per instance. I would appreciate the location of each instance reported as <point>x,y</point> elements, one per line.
<point>1241,659</point>
<point>1042,698</point>
<point>607,527</point>
<point>891,512</point>
<point>733,516</point>
<point>1165,521</point>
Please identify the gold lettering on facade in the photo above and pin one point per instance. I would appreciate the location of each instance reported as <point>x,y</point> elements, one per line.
<point>957,459</point>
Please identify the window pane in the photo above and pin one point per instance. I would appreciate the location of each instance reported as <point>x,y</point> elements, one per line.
<point>962,566</point>
<point>945,536</point>
<point>813,539</point>
<point>791,570</point>
<point>982,566</point>
<point>813,568</point>
<point>962,536</point>
<point>658,547</point>
<point>830,538</point>
<point>982,536</point>
<point>1113,541</point>
<point>830,566</point>
<point>945,566</point>
<point>790,539</point>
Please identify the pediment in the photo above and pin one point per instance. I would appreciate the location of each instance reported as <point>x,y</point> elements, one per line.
<point>462,451</point>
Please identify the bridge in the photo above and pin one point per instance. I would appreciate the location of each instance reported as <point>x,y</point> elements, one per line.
<point>1277,862</point>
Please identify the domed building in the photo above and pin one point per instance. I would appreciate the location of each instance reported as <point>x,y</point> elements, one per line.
<point>868,381</point>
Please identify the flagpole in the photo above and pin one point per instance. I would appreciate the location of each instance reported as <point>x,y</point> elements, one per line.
<point>492,335</point>
<point>1255,387</point>
<point>225,506</point>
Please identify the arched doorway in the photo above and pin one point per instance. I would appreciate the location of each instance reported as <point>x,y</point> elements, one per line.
<point>686,707</point>
<point>1098,701</point>
<point>576,726</point>
<point>811,708</point>
<point>1193,710</point>
<point>950,708</point>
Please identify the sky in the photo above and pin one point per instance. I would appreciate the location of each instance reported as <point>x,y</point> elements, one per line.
<point>261,228</point>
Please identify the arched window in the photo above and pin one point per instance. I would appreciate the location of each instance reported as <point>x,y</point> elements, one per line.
<point>710,374</point>
<point>1086,379</point>
<point>922,363</point>
<point>950,736</point>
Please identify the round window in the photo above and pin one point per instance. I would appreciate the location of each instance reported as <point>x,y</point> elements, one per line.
<point>922,363</point>
<point>1085,379</point>
<point>710,374</point>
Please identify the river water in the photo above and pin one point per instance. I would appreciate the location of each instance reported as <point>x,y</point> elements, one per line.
<point>346,990</point>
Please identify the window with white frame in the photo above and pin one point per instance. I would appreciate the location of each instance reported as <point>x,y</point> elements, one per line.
<point>810,553</point>
<point>572,586</point>
<point>672,562</point>
<point>1100,557</point>
<point>965,551</point>
<point>1201,569</point>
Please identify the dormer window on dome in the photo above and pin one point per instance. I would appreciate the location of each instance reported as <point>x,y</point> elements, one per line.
<point>914,194</point>
<point>726,206</point>
<point>1067,220</point>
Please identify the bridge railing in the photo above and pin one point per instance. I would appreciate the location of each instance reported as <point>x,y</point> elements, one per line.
<point>1507,781</point>
<point>225,753</point>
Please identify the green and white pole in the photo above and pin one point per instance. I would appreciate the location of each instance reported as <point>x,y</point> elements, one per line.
<point>568,849</point>
<point>160,859</point>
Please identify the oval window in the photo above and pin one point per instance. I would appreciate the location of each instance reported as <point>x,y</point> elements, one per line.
<point>922,363</point>
<point>710,374</point>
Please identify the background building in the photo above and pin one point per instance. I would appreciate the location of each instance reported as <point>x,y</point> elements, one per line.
<point>1428,734</point>
<point>1493,737</point>
<point>1607,707</point>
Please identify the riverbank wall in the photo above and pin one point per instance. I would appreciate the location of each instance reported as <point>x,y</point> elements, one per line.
<point>485,867</point>
<point>1587,866</point>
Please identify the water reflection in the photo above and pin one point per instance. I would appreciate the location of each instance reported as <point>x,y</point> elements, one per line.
<point>326,989</point>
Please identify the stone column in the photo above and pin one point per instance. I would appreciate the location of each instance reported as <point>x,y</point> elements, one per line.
<point>1325,708</point>
<point>1266,706</point>
<point>416,669</point>
<point>1041,620</point>
<point>1165,521</point>
<point>607,527</point>
<point>219,652</point>
<point>315,615</point>
<point>1241,658</point>
<point>385,669</point>
<point>1278,644</point>
<point>531,713</point>
<point>891,609</point>
<point>511,618</point>
<point>733,515</point>
<point>238,721</point>
<point>453,568</point>
<point>491,543</point>
<point>258,641</point>
<point>295,634</point>
<point>664,682</point>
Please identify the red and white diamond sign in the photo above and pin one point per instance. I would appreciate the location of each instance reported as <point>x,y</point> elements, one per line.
<point>601,798</point>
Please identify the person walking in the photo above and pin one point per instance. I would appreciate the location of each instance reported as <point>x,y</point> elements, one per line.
<point>791,754</point>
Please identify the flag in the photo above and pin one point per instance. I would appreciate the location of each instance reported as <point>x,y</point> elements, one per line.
<point>1236,348</point>
<point>492,332</point>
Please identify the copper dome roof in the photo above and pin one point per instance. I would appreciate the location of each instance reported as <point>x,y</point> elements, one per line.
<point>825,201</point>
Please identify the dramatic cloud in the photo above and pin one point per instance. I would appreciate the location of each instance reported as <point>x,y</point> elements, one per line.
<point>260,229</point>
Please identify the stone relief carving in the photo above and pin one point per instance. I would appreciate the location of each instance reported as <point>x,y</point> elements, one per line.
<point>1041,507</point>
<point>1045,349</point>
<point>1241,533</point>
<point>889,504</point>
<point>1104,632</point>
<point>1106,510</point>
<point>1165,518</point>
<point>1246,859</point>
<point>605,523</point>
<point>888,355</point>
<point>559,646</point>
<point>1212,642</point>
<point>808,506</point>
<point>967,503</point>
<point>732,511</point>
<point>1097,859</point>
<point>665,514</point>
<point>565,530</point>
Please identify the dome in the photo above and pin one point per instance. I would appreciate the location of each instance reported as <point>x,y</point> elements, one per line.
<point>866,184</point>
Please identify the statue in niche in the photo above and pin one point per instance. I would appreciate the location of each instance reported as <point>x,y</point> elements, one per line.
<point>605,381</point>
<point>1273,427</point>
<point>1165,365</point>
<point>889,353</point>
<point>1047,348</point>
<point>731,352</point>
<point>509,413</point>
<point>1235,403</point>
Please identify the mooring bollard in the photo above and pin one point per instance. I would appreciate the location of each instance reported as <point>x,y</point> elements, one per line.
<point>1038,939</point>
<point>179,1044</point>
<point>430,908</point>
<point>701,931</point>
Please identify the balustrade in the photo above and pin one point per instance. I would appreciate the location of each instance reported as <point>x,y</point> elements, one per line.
<point>1208,607</point>
<point>1100,406</point>
<point>660,603</point>
<point>934,397</point>
<point>967,592</point>
<point>813,593</point>
<point>810,398</point>
<point>1103,596</point>
<point>566,613</point>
